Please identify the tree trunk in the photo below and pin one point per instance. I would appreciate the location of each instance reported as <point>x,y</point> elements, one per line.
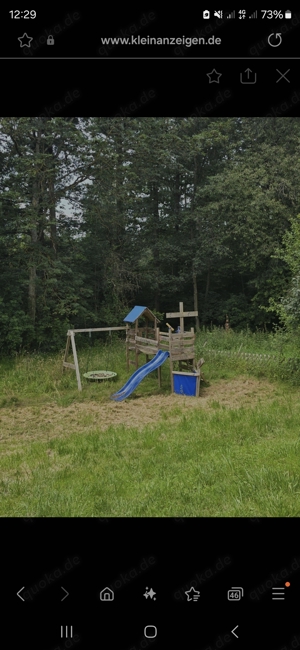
<point>177,194</point>
<point>119,230</point>
<point>52,213</point>
<point>34,239</point>
<point>195,287</point>
<point>32,279</point>
<point>207,287</point>
<point>155,216</point>
<point>207,284</point>
<point>52,205</point>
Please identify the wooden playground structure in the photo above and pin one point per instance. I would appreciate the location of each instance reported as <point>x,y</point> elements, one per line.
<point>147,339</point>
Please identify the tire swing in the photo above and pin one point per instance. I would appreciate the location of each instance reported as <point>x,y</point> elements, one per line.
<point>100,375</point>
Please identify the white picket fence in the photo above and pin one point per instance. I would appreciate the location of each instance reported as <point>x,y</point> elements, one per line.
<point>253,358</point>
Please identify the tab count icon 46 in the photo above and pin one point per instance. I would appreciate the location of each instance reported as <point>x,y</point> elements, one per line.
<point>235,593</point>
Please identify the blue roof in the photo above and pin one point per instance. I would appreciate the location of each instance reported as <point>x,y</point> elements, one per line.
<point>137,312</point>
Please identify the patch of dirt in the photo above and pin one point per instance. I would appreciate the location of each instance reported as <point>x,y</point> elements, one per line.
<point>52,421</point>
<point>238,392</point>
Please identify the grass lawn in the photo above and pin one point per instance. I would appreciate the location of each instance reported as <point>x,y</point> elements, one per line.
<point>234,452</point>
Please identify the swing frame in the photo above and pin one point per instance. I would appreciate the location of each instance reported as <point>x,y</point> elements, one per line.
<point>71,340</point>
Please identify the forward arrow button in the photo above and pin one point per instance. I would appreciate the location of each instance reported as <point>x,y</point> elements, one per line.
<point>66,592</point>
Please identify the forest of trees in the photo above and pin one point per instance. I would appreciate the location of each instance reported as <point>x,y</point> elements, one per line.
<point>99,214</point>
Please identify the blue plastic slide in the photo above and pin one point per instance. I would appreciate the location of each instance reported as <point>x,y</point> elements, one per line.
<point>138,375</point>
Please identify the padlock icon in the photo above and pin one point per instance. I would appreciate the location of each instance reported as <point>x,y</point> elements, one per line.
<point>206,14</point>
<point>50,40</point>
<point>288,14</point>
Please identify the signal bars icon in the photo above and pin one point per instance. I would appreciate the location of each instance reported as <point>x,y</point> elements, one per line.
<point>254,15</point>
<point>232,15</point>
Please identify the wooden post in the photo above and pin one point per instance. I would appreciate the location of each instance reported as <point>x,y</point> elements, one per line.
<point>171,362</point>
<point>182,315</point>
<point>127,347</point>
<point>198,386</point>
<point>75,360</point>
<point>136,350</point>
<point>147,355</point>
<point>193,360</point>
<point>66,352</point>
<point>159,376</point>
<point>156,336</point>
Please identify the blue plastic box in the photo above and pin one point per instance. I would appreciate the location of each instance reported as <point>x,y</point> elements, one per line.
<point>186,384</point>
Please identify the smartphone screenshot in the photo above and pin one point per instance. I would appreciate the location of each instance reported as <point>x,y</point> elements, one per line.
<point>149,328</point>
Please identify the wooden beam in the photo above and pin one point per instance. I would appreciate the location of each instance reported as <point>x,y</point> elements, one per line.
<point>182,336</point>
<point>146,350</point>
<point>182,357</point>
<point>186,351</point>
<point>75,360</point>
<point>136,350</point>
<point>69,365</point>
<point>178,314</point>
<point>67,350</point>
<point>182,315</point>
<point>189,374</point>
<point>143,339</point>
<point>198,386</point>
<point>97,329</point>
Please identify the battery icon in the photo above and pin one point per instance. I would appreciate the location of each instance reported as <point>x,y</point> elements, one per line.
<point>288,14</point>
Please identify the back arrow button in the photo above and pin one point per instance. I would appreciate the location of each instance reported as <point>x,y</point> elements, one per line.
<point>233,632</point>
<point>18,594</point>
<point>66,592</point>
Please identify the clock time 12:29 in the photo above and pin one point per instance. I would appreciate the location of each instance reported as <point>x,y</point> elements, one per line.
<point>27,13</point>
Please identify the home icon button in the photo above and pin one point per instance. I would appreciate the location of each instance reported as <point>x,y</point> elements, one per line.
<point>106,594</point>
<point>150,631</point>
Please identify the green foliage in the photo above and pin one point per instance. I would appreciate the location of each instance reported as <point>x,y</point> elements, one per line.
<point>288,307</point>
<point>240,310</point>
<point>274,355</point>
<point>100,213</point>
<point>16,329</point>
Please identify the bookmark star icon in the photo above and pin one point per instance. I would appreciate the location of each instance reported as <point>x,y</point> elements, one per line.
<point>26,38</point>
<point>192,594</point>
<point>214,76</point>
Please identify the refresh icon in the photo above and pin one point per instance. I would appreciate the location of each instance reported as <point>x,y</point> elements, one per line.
<point>275,39</point>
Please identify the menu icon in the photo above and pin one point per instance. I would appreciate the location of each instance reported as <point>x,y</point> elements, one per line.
<point>278,593</point>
